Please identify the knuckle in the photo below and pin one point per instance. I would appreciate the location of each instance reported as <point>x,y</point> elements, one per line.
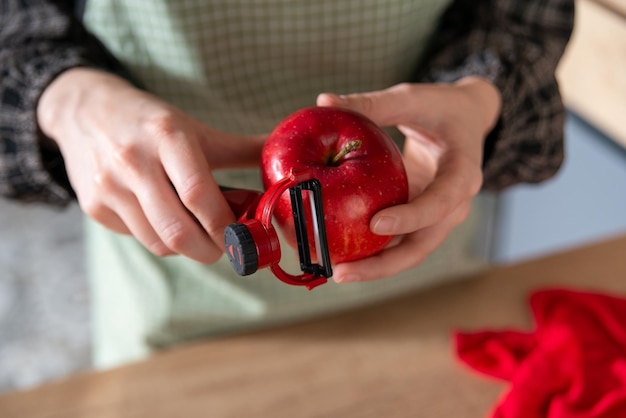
<point>104,182</point>
<point>94,208</point>
<point>404,87</point>
<point>192,192</point>
<point>127,155</point>
<point>162,125</point>
<point>174,236</point>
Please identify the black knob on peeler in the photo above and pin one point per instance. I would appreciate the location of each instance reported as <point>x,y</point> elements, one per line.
<point>241,249</point>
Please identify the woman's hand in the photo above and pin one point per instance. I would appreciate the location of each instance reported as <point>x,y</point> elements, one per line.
<point>445,126</point>
<point>140,166</point>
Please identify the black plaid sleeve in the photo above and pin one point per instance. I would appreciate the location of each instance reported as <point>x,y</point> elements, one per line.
<point>517,45</point>
<point>38,40</point>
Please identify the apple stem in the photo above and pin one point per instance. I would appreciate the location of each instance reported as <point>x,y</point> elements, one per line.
<point>346,149</point>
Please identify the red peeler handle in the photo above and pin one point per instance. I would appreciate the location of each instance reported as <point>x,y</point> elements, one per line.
<point>252,242</point>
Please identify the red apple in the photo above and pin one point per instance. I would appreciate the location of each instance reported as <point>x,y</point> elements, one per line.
<point>359,166</point>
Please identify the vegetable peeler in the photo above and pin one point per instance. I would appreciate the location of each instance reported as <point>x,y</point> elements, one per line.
<point>252,242</point>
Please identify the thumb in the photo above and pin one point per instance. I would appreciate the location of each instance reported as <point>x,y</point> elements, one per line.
<point>387,107</point>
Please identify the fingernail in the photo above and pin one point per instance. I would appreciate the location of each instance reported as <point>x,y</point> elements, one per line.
<point>385,225</point>
<point>350,278</point>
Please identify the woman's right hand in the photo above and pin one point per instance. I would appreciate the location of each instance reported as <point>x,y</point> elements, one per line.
<point>141,166</point>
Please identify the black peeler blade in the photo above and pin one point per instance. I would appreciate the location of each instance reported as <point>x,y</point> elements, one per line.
<point>322,267</point>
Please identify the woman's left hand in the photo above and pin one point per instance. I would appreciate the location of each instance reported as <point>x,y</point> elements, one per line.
<point>445,127</point>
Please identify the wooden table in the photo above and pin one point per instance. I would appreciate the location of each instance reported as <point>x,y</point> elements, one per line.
<point>391,360</point>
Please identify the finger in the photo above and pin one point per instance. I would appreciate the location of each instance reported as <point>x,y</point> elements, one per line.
<point>393,106</point>
<point>95,197</point>
<point>134,219</point>
<point>411,252</point>
<point>191,176</point>
<point>247,152</point>
<point>178,230</point>
<point>457,181</point>
<point>118,210</point>
<point>233,151</point>
<point>146,178</point>
<point>106,217</point>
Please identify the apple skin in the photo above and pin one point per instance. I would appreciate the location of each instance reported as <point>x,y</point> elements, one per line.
<point>359,185</point>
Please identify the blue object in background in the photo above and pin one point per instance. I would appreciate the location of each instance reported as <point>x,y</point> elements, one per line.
<point>584,202</point>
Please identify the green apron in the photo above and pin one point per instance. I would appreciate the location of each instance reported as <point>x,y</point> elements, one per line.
<point>242,66</point>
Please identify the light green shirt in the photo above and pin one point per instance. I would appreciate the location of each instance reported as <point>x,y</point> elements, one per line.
<point>242,66</point>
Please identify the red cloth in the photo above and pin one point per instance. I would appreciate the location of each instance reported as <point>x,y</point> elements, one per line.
<point>573,365</point>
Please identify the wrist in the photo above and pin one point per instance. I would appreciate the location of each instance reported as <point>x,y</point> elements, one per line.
<point>67,94</point>
<point>485,98</point>
<point>56,97</point>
